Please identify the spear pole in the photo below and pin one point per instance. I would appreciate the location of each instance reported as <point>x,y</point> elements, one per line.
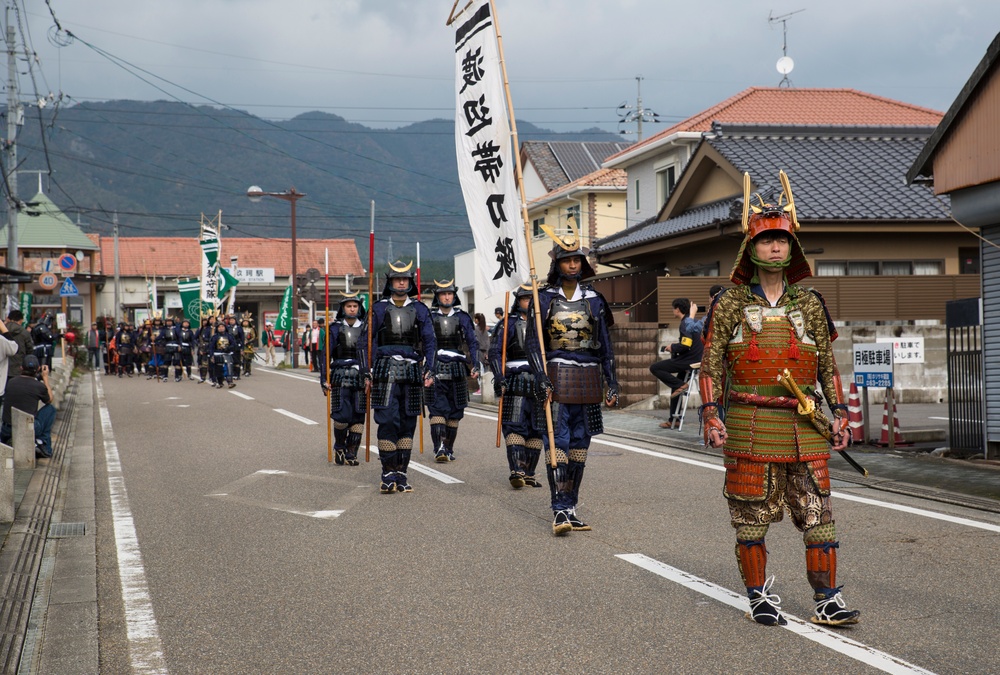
<point>503,364</point>
<point>422,388</point>
<point>368,316</point>
<point>326,345</point>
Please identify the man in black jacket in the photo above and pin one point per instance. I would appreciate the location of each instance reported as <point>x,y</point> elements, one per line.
<point>685,352</point>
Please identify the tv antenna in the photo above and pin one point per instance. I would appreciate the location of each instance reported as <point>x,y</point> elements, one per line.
<point>785,63</point>
<point>628,114</point>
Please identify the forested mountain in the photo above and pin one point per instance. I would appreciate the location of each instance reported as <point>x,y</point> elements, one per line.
<point>162,164</point>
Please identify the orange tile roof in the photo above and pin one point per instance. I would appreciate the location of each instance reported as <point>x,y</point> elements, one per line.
<point>786,106</point>
<point>181,256</point>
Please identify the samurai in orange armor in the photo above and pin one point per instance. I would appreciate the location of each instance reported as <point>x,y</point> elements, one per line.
<point>775,457</point>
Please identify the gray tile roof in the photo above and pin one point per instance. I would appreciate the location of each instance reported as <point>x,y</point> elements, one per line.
<point>849,173</point>
<point>559,163</point>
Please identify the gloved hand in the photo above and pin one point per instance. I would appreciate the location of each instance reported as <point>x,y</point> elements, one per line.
<point>499,386</point>
<point>841,434</point>
<point>715,432</point>
<point>545,387</point>
<point>611,398</point>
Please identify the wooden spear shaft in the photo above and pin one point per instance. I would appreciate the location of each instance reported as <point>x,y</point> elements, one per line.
<point>503,364</point>
<point>527,233</point>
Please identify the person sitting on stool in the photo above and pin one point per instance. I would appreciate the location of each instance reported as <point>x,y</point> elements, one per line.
<point>25,392</point>
<point>682,354</point>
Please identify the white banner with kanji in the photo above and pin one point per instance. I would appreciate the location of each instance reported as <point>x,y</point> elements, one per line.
<point>485,157</point>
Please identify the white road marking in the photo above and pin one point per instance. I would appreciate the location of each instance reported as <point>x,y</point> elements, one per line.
<point>838,643</point>
<point>241,395</point>
<point>314,380</point>
<point>172,398</point>
<point>839,495</point>
<point>426,470</point>
<point>182,405</point>
<point>304,420</point>
<point>145,649</point>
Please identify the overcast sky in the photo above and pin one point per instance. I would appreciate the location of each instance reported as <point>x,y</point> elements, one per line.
<point>571,63</point>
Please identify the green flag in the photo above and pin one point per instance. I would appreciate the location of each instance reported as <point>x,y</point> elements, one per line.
<point>227,282</point>
<point>194,308</point>
<point>26,300</point>
<point>284,320</point>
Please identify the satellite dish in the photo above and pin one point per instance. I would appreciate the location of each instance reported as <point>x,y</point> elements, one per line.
<point>79,255</point>
<point>785,65</point>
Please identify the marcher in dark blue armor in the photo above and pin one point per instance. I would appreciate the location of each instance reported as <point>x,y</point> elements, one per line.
<point>522,421</point>
<point>457,351</point>
<point>348,375</point>
<point>184,358</point>
<point>170,347</point>
<point>203,336</point>
<point>154,368</point>
<point>402,338</point>
<point>239,340</point>
<point>575,329</point>
<point>221,350</point>
<point>125,343</point>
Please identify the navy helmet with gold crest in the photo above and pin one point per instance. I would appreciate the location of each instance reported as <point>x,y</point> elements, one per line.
<point>445,287</point>
<point>567,246</point>
<point>350,297</point>
<point>767,217</point>
<point>398,270</point>
<point>522,291</point>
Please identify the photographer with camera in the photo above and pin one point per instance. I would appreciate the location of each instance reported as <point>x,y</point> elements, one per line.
<point>25,392</point>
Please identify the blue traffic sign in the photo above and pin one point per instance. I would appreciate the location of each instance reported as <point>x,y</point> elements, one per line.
<point>68,289</point>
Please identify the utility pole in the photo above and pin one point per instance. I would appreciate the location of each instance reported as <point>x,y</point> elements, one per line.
<point>13,115</point>
<point>638,114</point>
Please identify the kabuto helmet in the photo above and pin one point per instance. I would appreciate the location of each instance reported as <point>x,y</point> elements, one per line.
<point>350,297</point>
<point>567,246</point>
<point>522,291</point>
<point>398,270</point>
<point>769,218</point>
<point>445,287</point>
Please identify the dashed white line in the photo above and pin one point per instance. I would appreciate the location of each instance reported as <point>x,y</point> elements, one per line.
<point>241,395</point>
<point>145,648</point>
<point>851,648</point>
<point>300,418</point>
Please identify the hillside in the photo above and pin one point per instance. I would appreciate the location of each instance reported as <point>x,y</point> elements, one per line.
<point>162,164</point>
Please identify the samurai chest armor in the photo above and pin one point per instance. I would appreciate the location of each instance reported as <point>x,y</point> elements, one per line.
<point>448,331</point>
<point>767,340</point>
<point>222,344</point>
<point>571,326</point>
<point>125,339</point>
<point>516,341</point>
<point>347,342</point>
<point>187,337</point>
<point>399,326</point>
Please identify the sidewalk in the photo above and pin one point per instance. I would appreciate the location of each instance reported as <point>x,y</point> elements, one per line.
<point>56,515</point>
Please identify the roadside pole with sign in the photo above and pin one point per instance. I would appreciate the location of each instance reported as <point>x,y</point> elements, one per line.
<point>873,368</point>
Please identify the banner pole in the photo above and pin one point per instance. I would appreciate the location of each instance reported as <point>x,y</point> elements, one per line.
<point>527,233</point>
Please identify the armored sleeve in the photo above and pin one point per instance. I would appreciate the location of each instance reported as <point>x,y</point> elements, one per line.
<point>428,339</point>
<point>818,326</point>
<point>604,323</point>
<point>470,338</point>
<point>722,322</point>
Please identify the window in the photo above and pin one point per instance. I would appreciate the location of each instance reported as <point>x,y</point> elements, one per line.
<point>573,216</point>
<point>536,226</point>
<point>968,260</point>
<point>895,268</point>
<point>637,207</point>
<point>706,270</point>
<point>666,178</point>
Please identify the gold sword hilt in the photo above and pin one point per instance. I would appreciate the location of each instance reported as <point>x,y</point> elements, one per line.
<point>807,406</point>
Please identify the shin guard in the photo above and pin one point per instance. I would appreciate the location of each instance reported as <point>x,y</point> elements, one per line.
<point>751,555</point>
<point>821,565</point>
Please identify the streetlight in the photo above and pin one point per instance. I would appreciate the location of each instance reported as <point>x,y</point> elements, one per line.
<point>255,194</point>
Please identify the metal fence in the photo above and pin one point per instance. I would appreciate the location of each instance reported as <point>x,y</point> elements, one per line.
<point>965,376</point>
